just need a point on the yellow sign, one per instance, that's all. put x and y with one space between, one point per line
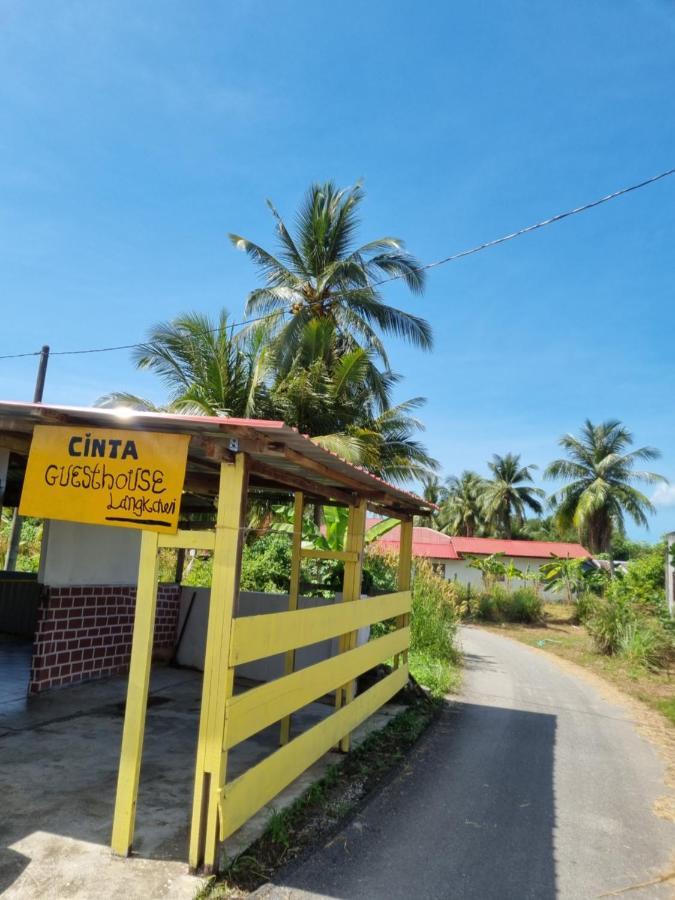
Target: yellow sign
105 476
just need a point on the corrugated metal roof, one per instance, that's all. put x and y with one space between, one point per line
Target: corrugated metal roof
280 455
432 544
537 549
426 542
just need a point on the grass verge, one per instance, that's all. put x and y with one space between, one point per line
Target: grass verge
558 634
322 810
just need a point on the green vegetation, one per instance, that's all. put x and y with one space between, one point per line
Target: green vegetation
509 492
436 606
625 615
314 356
28 559
630 617
591 508
498 604
601 472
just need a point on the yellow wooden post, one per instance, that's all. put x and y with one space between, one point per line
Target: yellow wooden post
137 696
404 576
351 591
218 674
293 595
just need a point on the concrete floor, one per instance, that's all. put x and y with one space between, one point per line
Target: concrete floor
15 658
59 754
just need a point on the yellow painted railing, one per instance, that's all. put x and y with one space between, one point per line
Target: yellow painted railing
251 791
256 637
219 807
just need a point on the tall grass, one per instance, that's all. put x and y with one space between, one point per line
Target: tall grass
620 627
436 606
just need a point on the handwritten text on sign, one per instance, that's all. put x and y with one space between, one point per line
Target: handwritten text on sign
105 476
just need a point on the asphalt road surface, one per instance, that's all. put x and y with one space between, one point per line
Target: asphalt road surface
531 785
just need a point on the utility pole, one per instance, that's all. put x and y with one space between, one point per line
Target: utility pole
15 527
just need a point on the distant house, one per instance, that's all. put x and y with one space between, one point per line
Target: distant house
450 556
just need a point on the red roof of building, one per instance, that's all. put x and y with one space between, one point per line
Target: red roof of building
432 544
426 542
539 549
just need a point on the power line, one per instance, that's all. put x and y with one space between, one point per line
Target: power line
432 265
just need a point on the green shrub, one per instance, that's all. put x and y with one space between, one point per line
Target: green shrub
524 606
500 605
608 621
266 564
433 626
585 605
645 642
380 571
643 584
433 622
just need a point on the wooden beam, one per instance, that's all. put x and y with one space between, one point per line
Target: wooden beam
293 597
137 696
390 513
404 578
326 472
351 592
17 443
279 476
341 555
218 678
213 449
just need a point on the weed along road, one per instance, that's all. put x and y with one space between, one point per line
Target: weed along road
530 785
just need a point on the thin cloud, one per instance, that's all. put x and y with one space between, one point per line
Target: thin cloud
664 495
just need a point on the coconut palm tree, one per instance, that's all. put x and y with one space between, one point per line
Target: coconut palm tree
461 511
320 274
335 394
390 448
601 474
435 492
206 369
509 493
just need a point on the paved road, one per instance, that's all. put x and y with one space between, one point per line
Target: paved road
532 786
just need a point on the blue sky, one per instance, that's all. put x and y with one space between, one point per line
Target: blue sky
135 136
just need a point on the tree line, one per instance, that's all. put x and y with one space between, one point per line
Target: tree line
313 354
599 468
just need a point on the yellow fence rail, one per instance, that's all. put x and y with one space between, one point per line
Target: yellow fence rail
254 637
264 705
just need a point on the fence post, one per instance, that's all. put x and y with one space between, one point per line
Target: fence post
137 696
351 592
218 674
404 577
293 596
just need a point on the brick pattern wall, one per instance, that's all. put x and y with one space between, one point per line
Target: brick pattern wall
85 632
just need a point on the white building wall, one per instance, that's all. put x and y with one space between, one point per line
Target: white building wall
459 570
76 554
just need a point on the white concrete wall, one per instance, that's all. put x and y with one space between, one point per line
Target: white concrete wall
193 643
459 570
76 554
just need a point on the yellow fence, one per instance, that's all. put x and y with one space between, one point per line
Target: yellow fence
220 807
255 637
